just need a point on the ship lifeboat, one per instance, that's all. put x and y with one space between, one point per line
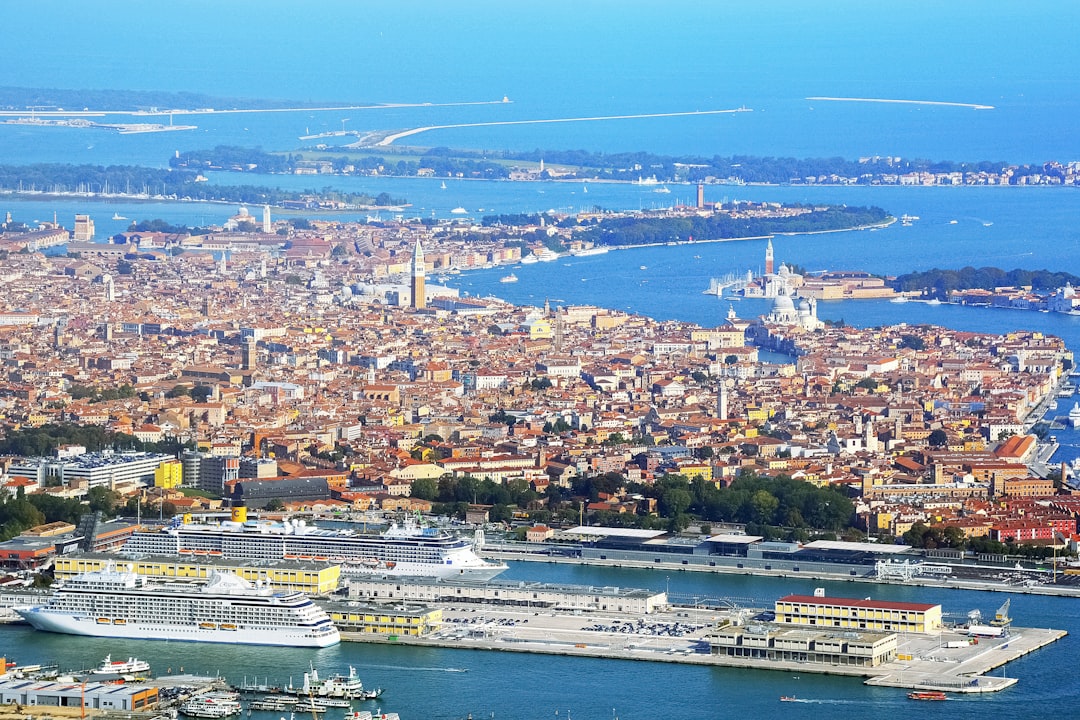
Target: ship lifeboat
207 626
104 621
119 621
227 626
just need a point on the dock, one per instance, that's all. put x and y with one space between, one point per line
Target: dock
948 661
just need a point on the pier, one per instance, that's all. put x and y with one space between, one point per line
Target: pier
947 661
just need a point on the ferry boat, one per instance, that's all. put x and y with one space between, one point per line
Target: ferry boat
182 611
346 687
927 695
459 211
366 715
118 669
409 549
320 705
589 251
511 278
547 255
210 706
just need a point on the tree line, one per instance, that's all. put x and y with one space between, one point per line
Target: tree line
179 183
939 283
649 230
43 441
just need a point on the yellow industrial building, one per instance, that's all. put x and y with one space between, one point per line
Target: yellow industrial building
308 578
388 620
875 615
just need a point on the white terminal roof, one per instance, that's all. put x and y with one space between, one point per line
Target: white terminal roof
879 548
735 539
615 532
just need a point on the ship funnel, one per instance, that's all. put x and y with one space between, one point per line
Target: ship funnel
239 514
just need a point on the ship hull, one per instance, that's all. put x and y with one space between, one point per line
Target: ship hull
90 627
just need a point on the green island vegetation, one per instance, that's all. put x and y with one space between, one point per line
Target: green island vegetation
939 283
658 230
58 178
21 98
255 160
407 161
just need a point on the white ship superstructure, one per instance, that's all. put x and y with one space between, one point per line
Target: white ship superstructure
408 549
120 604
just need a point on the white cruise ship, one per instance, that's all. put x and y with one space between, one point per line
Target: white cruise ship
409 549
120 604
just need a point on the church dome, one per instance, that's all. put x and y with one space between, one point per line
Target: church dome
783 305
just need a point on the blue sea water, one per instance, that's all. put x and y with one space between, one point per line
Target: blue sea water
587 58
445 684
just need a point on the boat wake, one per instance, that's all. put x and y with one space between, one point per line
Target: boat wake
419 669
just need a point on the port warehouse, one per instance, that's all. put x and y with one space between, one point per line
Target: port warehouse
91 695
508 593
778 644
310 578
402 619
858 614
748 552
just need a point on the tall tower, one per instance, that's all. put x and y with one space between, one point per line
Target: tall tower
419 294
700 196
248 354
110 289
769 259
84 228
267 227
722 401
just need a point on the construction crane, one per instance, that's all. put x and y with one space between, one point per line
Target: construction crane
1001 617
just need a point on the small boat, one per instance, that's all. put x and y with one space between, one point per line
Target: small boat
442 186
459 211
511 278
118 216
788 698
927 695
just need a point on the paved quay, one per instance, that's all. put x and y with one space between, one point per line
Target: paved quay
681 635
986 583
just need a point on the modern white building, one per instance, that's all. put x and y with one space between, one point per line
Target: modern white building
90 470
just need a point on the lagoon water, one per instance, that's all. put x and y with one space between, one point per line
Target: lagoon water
445 684
574 58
